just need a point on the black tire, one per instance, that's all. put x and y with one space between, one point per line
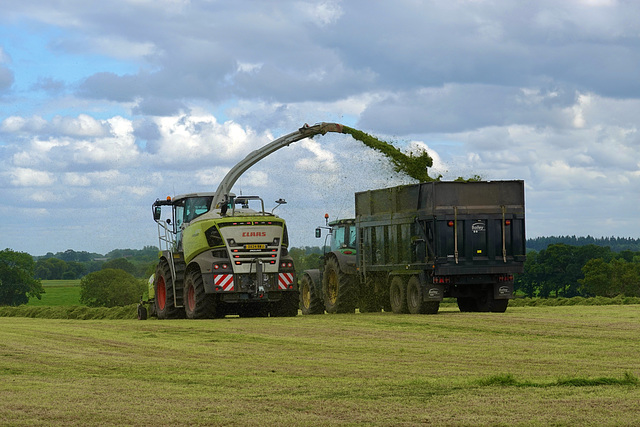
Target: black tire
163 289
398 295
338 289
467 304
310 301
142 312
487 303
415 299
197 304
287 306
415 303
431 307
500 305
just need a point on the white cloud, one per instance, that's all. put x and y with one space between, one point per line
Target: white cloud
24 177
81 126
322 160
321 13
166 98
76 180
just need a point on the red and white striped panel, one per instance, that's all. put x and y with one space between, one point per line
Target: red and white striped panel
225 281
284 280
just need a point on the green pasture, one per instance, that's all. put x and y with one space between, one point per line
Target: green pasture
58 293
568 365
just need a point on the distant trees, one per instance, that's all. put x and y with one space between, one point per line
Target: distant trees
54 268
306 258
17 281
120 264
69 265
616 277
616 244
563 270
110 288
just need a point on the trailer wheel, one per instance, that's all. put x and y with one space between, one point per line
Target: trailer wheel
163 288
415 299
500 305
467 304
338 289
398 295
310 301
197 304
486 302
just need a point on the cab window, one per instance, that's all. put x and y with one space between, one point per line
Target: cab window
343 236
195 206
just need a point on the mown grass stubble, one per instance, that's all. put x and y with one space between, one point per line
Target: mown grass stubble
450 369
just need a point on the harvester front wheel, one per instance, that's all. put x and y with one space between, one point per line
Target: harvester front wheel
398 295
310 301
163 289
338 289
197 304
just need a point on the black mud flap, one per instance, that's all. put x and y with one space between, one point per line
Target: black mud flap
503 290
433 293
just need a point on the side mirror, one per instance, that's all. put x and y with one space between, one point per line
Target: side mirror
157 211
318 233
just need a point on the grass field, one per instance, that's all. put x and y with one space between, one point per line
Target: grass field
58 293
572 365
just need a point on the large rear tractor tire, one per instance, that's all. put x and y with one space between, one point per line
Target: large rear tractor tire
310 301
338 289
398 295
163 289
197 304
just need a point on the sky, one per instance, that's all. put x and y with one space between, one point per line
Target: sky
107 106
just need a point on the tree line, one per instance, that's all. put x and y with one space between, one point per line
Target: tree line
70 265
563 270
558 270
616 244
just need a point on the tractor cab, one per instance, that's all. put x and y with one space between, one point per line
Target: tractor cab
343 235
